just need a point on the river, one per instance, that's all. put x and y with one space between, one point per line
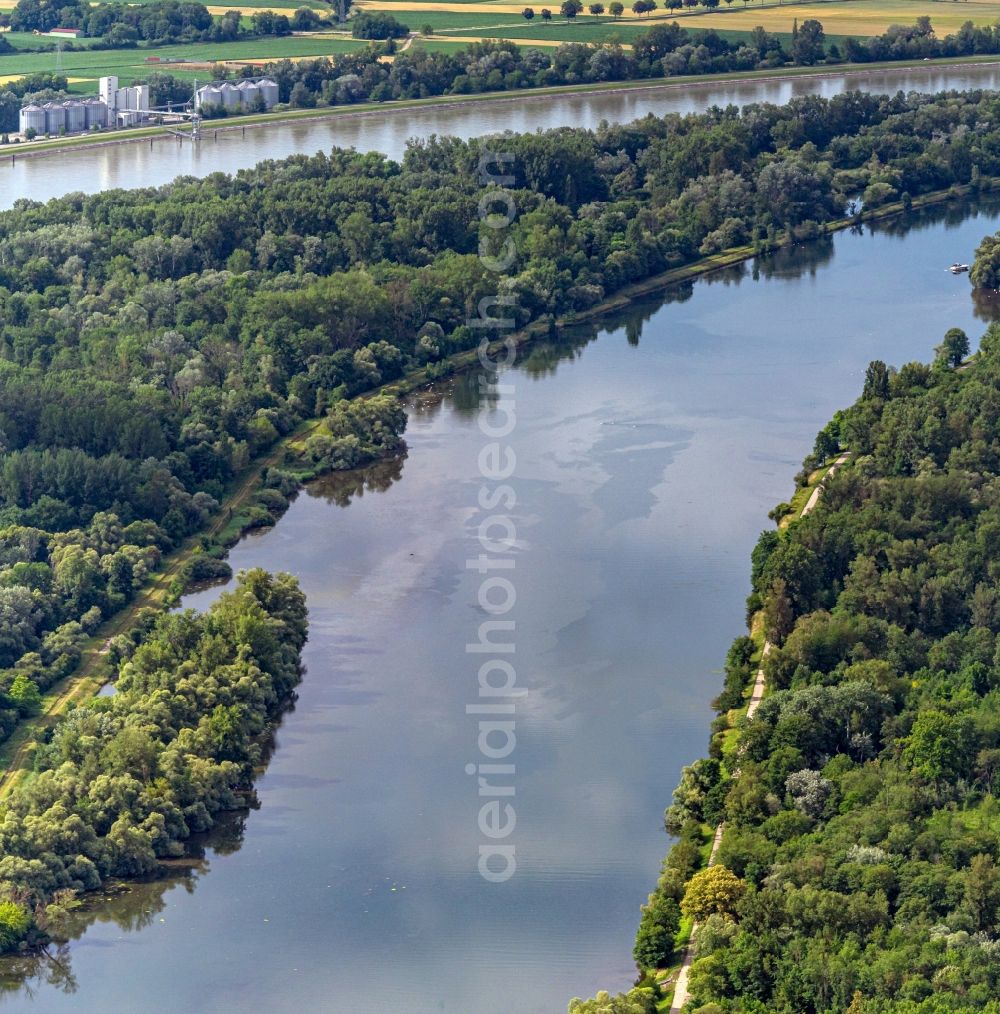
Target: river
154 163
649 450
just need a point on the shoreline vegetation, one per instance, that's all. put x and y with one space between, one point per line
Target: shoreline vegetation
838 847
126 781
166 353
807 497
59 146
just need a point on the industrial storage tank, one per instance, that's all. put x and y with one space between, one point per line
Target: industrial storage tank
269 92
32 118
209 96
76 116
55 117
249 94
230 95
97 113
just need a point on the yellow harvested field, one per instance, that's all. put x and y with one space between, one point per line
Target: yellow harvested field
854 17
17 77
437 6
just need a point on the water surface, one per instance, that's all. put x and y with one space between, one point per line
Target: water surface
649 451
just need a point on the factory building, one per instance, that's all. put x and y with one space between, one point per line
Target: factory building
113 106
122 100
242 97
129 107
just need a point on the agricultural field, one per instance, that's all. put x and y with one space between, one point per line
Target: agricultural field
84 67
839 17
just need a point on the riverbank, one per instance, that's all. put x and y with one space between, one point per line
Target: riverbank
11 154
807 497
162 591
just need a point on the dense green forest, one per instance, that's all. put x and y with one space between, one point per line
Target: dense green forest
859 868
125 780
155 342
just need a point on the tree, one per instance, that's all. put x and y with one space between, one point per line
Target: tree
570 8
546 14
939 746
377 25
809 791
25 694
807 42
654 941
15 921
954 349
982 892
20 616
876 381
596 9
528 13
636 1001
985 273
716 889
616 9
779 616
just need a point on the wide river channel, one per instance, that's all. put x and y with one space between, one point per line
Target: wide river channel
145 163
649 449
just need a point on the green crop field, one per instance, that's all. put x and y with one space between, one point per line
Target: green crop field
130 64
448 24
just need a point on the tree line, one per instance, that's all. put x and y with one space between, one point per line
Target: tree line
665 50
158 23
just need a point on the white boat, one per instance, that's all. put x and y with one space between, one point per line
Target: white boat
957 269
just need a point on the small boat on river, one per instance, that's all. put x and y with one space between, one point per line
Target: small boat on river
957 269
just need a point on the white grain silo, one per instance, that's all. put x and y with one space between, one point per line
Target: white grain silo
55 117
76 116
230 95
269 92
208 96
32 118
97 113
249 94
